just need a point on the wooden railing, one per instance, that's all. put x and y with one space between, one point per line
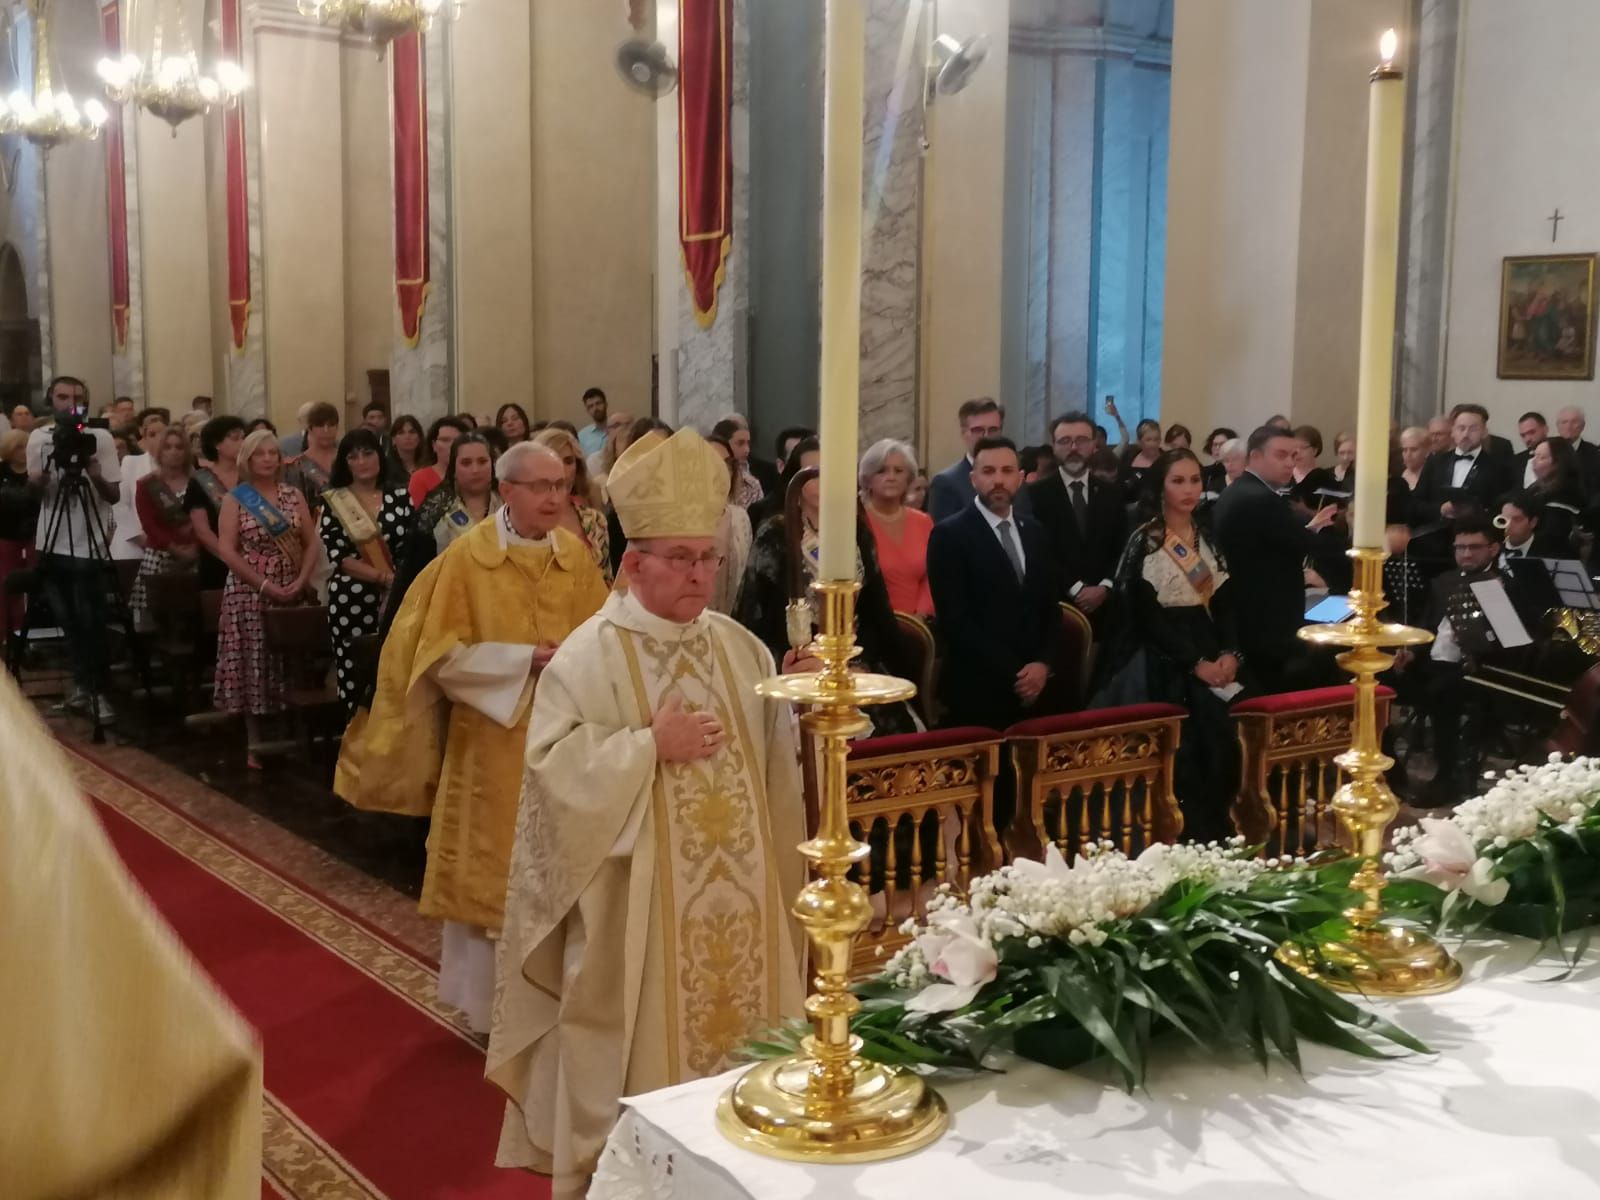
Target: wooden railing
1100 775
1289 742
924 803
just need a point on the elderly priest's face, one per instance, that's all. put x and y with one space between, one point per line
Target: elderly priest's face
672 577
535 493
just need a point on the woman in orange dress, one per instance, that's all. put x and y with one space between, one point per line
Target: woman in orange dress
899 531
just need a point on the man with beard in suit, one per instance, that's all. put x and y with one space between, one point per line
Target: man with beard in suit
1471 478
1085 518
994 588
1265 546
1532 429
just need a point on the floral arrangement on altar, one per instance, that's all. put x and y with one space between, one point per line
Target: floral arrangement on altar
1522 858
1066 963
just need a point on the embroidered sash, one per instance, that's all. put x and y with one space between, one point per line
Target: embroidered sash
270 518
169 505
316 479
211 486
360 528
1192 564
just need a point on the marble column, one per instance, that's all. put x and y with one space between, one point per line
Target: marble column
1426 230
421 376
712 368
127 359
892 228
25 183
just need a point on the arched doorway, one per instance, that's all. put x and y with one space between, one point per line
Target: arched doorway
20 354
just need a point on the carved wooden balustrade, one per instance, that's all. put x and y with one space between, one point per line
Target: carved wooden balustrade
1289 742
924 803
1088 776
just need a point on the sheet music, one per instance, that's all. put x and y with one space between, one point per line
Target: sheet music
1508 627
1572 582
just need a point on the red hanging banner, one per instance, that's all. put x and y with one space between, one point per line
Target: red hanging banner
238 194
410 182
116 189
705 154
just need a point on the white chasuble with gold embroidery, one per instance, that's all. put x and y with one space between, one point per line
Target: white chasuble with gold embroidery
647 931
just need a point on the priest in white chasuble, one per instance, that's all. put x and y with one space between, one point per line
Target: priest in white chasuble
445 733
647 931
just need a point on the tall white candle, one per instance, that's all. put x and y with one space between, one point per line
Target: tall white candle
844 59
1386 119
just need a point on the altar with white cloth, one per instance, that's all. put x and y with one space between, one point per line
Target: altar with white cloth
1508 1106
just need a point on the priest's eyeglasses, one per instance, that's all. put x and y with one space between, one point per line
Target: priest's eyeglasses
541 487
683 562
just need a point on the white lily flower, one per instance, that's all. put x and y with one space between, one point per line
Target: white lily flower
956 952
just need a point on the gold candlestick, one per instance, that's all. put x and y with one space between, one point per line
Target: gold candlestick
827 1103
1372 958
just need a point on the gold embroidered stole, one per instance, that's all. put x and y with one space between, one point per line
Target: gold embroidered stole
360 527
716 879
1191 565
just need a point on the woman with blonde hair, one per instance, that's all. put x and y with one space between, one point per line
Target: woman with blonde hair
167 533
899 531
266 537
581 518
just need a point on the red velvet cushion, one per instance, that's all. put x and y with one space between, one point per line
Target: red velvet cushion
1295 701
1094 718
910 743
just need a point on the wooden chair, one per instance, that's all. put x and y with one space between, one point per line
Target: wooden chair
1289 742
923 802
173 599
300 635
918 648
1076 662
1087 776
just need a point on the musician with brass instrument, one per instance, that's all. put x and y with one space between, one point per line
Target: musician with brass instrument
1464 642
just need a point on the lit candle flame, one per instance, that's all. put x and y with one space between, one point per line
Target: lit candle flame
1388 44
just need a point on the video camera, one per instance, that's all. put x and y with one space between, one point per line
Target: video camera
72 445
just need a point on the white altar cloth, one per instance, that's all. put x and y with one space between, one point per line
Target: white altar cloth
1507 1108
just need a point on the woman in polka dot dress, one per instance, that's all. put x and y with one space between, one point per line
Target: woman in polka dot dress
366 515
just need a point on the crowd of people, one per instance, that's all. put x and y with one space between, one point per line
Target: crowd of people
1152 542
638 581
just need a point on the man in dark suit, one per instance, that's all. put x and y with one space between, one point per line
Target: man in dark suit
1265 546
1532 429
1469 478
1570 424
1085 517
1519 519
995 592
951 490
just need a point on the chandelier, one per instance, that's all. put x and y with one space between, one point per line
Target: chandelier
48 117
380 21
171 86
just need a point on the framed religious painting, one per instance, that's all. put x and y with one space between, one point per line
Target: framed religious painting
1547 317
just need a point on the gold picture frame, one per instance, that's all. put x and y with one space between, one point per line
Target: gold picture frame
1547 316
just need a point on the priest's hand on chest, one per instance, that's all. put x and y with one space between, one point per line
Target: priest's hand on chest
685 736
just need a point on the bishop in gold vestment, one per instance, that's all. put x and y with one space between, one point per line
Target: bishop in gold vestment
445 733
122 1072
647 931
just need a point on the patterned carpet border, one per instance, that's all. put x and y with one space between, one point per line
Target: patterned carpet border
300 1165
370 952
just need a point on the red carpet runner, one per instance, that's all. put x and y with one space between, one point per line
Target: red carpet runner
372 1091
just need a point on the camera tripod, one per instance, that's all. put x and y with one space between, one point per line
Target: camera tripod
74 498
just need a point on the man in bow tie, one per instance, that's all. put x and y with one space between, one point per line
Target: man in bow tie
1471 477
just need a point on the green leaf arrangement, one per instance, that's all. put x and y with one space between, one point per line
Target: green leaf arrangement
1182 947
1522 858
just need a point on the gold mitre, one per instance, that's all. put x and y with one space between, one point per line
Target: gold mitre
669 487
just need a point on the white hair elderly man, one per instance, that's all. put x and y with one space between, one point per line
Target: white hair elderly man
1570 424
647 933
445 731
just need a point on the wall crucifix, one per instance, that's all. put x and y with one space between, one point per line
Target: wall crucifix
1555 219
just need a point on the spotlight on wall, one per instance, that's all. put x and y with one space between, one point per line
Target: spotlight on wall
952 63
646 67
